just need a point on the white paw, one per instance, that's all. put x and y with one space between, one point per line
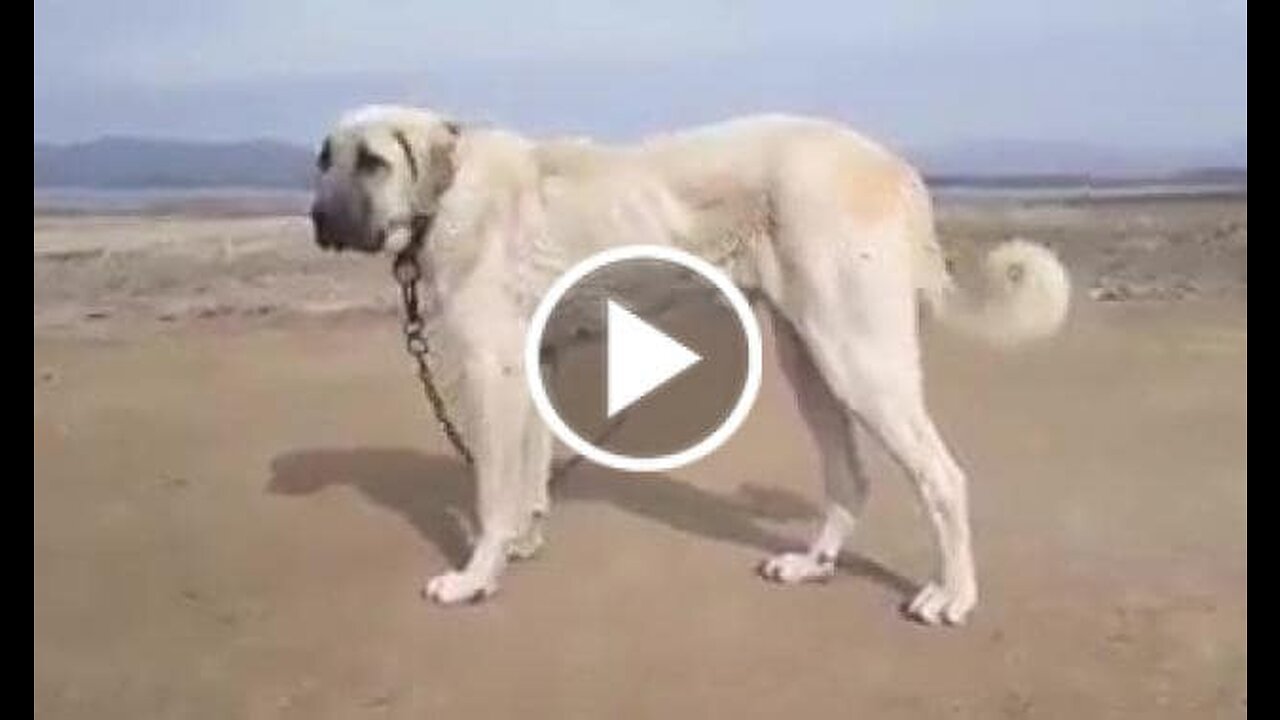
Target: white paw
935 604
455 587
792 568
526 545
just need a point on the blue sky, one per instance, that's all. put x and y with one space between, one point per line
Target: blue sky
1153 73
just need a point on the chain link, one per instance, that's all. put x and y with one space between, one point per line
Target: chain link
408 273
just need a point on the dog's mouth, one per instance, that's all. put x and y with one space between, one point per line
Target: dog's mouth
393 237
370 243
336 245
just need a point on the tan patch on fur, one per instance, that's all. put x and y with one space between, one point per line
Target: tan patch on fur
874 187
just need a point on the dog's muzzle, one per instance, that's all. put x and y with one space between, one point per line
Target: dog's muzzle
322 226
339 231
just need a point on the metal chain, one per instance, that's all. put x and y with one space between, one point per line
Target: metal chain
408 273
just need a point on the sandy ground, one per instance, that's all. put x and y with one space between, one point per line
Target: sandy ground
235 507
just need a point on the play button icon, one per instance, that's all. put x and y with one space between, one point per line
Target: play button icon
643 358
640 357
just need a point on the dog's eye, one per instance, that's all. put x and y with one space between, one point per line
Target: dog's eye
368 161
325 158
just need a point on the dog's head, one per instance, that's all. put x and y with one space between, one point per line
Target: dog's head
380 175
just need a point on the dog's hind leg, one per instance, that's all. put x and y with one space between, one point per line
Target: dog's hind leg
865 346
843 476
846 277
893 409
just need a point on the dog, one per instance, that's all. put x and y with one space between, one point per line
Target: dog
829 230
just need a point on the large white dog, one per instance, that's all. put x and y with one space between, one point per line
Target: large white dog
832 233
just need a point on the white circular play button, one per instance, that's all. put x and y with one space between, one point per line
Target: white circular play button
643 358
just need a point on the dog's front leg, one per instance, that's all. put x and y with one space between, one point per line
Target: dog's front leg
498 404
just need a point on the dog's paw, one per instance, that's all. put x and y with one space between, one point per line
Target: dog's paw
526 545
793 568
936 604
454 587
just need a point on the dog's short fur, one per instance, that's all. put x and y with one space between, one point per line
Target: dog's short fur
832 232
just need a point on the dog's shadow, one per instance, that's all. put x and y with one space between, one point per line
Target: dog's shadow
436 495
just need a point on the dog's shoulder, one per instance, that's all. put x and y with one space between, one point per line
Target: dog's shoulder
496 158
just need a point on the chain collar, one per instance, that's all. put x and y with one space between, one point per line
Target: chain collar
408 273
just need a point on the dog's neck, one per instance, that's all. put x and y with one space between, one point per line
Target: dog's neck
443 166
442 161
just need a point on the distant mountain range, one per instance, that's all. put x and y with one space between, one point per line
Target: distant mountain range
126 162
1030 157
131 162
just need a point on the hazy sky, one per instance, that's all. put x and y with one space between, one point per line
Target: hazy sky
920 72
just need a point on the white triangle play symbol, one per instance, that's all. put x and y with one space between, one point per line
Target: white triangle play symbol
640 358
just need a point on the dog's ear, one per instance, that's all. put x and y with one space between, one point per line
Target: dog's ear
410 153
442 159
429 156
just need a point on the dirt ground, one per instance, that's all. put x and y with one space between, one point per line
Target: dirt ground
235 507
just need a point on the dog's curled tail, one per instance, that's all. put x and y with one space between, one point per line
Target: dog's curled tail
1025 295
